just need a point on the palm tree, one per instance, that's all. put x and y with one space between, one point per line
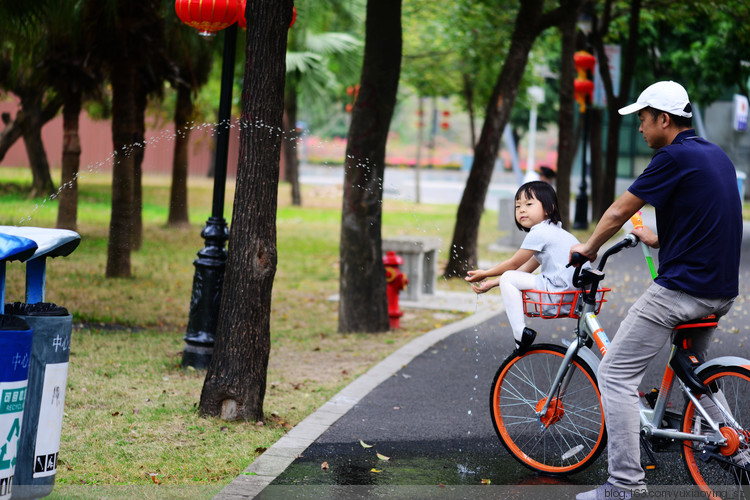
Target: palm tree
22 48
127 38
71 73
192 58
318 63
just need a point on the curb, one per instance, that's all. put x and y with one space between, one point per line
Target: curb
281 454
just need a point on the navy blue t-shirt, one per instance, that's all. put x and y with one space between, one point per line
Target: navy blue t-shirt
692 184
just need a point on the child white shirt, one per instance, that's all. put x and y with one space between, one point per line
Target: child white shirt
551 246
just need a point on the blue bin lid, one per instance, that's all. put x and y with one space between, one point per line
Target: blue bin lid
16 248
50 242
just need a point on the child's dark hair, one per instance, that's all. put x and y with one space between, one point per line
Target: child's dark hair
546 195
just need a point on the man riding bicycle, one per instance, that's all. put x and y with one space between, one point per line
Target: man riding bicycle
692 184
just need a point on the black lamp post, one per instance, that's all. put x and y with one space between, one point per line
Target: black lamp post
581 220
211 261
585 63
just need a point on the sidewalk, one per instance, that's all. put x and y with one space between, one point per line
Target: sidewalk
278 457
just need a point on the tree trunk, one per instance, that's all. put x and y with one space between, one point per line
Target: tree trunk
468 91
67 210
363 305
124 129
31 129
178 194
614 102
12 131
463 254
566 138
10 134
139 150
599 178
236 379
291 160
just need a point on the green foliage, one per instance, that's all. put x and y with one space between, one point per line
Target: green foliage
444 42
706 49
324 56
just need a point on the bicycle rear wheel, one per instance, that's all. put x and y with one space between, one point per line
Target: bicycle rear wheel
715 470
570 435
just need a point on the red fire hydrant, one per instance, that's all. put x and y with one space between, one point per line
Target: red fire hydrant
396 281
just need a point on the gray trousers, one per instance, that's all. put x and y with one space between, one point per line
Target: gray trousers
646 328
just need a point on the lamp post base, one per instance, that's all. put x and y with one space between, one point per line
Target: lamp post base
206 296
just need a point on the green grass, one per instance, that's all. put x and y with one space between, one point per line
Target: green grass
131 412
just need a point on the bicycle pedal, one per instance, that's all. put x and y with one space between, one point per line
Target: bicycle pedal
651 397
652 464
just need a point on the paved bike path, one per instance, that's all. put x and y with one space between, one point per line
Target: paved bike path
426 409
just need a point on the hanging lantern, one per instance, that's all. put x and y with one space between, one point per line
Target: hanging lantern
241 20
208 16
583 87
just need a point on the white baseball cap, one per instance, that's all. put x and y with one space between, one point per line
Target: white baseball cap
665 96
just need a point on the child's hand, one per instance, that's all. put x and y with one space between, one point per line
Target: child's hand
474 276
482 287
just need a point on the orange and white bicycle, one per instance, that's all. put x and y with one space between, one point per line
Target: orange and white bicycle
546 407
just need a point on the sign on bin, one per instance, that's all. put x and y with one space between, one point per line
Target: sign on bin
48 374
15 354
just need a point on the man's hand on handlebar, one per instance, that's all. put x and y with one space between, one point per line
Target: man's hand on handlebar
647 236
583 251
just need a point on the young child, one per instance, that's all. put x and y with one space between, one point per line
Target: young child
547 244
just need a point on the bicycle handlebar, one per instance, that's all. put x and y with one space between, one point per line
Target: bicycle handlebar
595 276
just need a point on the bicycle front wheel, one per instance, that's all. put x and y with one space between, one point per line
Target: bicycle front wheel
570 435
721 472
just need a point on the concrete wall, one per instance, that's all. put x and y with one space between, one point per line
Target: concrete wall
96 146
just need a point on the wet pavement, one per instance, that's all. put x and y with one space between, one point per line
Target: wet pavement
424 431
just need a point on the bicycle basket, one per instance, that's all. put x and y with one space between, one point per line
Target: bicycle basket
548 305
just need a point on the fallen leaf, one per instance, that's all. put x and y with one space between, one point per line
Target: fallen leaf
324 466
377 471
486 481
383 457
153 478
365 445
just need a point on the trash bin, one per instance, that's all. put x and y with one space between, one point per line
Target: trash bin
39 443
15 353
41 427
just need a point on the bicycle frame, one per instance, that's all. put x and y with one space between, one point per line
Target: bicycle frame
590 331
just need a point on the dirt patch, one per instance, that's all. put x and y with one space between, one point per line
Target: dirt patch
339 357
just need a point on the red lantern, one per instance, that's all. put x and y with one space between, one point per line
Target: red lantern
241 21
208 16
584 61
583 86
